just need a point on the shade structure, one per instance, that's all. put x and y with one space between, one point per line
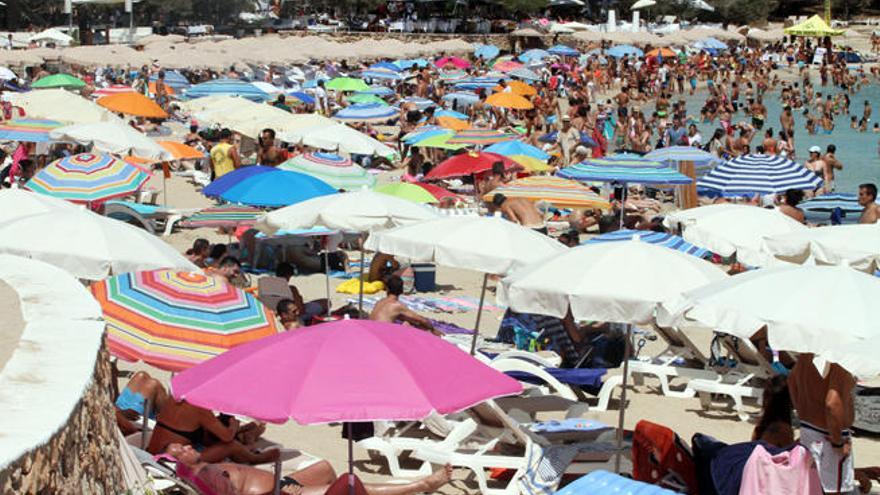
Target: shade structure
563 51
660 52
476 83
111 137
58 81
450 113
453 123
813 27
853 245
276 189
385 66
516 147
599 170
364 98
525 74
659 238
486 52
437 191
180 151
636 277
88 178
726 229
423 132
132 103
375 370
673 155
28 130
340 138
223 216
621 51
827 203
838 325
518 87
509 100
452 61
451 76
469 163
347 84
419 102
407 191
359 211
749 175
379 74
227 87
87 245
559 192
151 88
339 172
480 137
113 89
222 184
461 98
533 55
531 165
173 79
367 112
173 320
17 203
710 44
439 141
61 105
506 65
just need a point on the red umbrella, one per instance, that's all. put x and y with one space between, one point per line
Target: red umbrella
470 163
437 191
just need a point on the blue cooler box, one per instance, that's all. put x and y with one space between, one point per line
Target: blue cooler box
425 275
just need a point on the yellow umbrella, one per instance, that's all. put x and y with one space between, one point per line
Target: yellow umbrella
509 100
519 88
562 193
814 26
453 123
531 164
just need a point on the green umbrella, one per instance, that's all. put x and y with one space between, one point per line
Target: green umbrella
347 84
58 81
410 192
366 98
439 141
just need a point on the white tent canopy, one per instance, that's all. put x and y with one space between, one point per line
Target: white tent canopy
51 35
854 245
110 137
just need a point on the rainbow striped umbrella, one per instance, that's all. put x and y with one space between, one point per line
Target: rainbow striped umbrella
339 172
88 178
561 193
223 216
113 89
175 320
480 137
30 130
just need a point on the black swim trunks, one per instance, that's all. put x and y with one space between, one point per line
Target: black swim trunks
288 481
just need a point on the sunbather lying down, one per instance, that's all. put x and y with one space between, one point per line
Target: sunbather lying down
229 478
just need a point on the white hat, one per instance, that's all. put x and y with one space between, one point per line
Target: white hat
815 149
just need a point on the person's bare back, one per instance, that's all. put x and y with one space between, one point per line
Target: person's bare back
523 212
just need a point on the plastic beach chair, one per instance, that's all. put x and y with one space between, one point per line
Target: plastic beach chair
151 218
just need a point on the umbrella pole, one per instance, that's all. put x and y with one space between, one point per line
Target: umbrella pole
361 288
327 277
622 411
350 460
622 206
276 490
479 314
147 409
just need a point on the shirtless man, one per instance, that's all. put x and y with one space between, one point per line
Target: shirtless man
833 164
786 120
229 478
391 310
268 154
519 210
817 165
496 178
793 197
868 200
769 143
825 407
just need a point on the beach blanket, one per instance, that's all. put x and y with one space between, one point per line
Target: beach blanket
435 304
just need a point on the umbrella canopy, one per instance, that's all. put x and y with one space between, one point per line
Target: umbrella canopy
453 124
381 75
173 79
113 89
854 245
222 184
88 178
518 87
838 326
132 103
523 73
563 51
360 211
531 164
461 97
407 191
58 81
749 175
660 52
602 170
347 84
507 66
111 137
450 76
480 137
339 172
486 52
174 320
642 4
813 27
453 61
726 229
559 192
367 112
87 245
437 191
62 105
659 238
672 156
621 51
710 44
827 203
440 141
509 100
483 244
376 371
276 189
636 277
223 216
533 55
516 147
180 151
29 130
227 87
16 203
469 163
365 98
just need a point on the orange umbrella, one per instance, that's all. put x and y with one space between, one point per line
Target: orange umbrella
453 123
181 151
168 89
519 88
145 164
509 100
133 104
663 52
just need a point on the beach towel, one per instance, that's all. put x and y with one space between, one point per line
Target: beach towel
661 458
353 287
604 482
727 467
436 304
544 468
785 473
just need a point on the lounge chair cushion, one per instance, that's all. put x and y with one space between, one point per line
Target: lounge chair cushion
605 482
582 377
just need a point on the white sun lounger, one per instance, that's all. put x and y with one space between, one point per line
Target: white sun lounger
152 218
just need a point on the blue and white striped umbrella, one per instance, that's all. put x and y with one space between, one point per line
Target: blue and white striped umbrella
450 113
826 203
377 90
410 63
477 83
623 171
385 66
711 44
173 79
621 51
673 155
563 51
486 52
381 74
533 55
659 238
420 103
524 74
367 112
228 87
749 175
462 97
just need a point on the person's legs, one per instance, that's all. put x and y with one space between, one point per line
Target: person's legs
318 474
150 388
238 453
427 484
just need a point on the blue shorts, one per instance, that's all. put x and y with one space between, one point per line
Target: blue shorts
132 401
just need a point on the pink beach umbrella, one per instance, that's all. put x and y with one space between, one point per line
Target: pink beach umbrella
456 61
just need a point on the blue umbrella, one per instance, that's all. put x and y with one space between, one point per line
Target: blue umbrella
659 238
671 156
450 113
710 44
623 171
222 184
749 175
462 97
410 63
367 112
827 203
276 189
420 103
563 51
585 138
228 87
525 74
535 54
386 75
377 90
425 132
385 66
313 83
175 80
486 52
514 147
477 83
303 97
621 51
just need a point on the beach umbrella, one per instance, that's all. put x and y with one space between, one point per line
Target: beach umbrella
621 51
480 137
641 4
339 172
585 138
563 51
855 245
227 87
439 141
222 216
180 151
454 61
385 75
750 175
338 137
367 112
151 88
476 83
88 178
425 131
302 97
173 79
659 238
470 163
346 84
827 203
132 103
28 130
437 191
660 52
453 123
420 103
64 81
710 44
173 320
223 183
61 105
113 89
516 147
530 164
461 97
838 326
726 229
673 156
17 203
517 87
624 172
533 55
450 113
366 98
452 76
407 191
276 189
87 245
6 74
523 73
407 64
507 65
561 193
111 137
486 52
385 66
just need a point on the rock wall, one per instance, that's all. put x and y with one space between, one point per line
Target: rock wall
81 458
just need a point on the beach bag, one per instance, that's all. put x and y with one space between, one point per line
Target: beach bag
660 457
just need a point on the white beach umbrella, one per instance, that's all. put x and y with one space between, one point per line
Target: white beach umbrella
110 137
337 137
641 4
854 245
829 311
62 105
726 229
17 203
